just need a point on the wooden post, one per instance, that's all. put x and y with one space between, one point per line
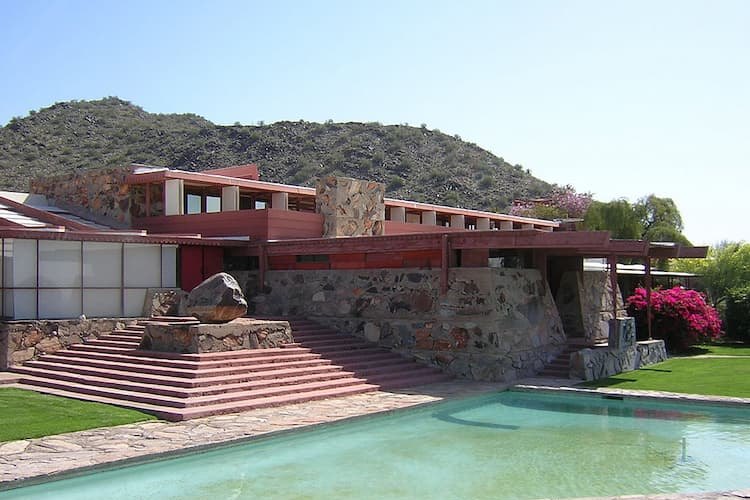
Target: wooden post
647 269
148 199
444 262
612 259
262 265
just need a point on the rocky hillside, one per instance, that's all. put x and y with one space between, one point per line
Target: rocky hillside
415 163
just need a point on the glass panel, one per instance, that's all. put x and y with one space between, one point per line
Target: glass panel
134 300
22 304
169 266
193 204
102 263
213 204
60 303
22 255
102 303
59 263
142 265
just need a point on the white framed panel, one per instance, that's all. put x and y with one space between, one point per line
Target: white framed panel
102 264
22 254
169 266
59 263
22 304
142 265
60 303
102 303
135 298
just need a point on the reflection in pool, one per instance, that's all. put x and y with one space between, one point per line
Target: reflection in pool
507 445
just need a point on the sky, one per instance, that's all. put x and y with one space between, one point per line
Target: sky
618 98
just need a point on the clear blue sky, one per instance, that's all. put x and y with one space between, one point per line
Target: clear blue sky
620 98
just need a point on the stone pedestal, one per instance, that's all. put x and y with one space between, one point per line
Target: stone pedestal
350 207
621 333
188 336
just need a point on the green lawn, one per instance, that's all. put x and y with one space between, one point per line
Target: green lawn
710 376
725 349
28 414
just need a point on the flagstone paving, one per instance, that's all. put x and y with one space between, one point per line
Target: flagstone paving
31 460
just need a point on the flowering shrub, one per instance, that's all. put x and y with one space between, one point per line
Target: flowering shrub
679 316
562 203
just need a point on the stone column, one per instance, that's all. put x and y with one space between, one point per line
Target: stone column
483 224
506 225
350 207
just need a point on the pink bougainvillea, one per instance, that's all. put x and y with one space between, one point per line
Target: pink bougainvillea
680 316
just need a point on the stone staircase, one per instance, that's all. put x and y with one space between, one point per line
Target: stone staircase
320 364
560 366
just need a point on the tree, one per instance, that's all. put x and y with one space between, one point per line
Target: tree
726 267
616 216
650 218
660 218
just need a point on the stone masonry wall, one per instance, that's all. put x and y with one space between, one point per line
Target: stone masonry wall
350 207
100 194
584 300
597 304
21 341
493 324
593 364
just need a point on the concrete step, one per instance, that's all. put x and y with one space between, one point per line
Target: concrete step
320 363
84 388
154 387
139 377
186 373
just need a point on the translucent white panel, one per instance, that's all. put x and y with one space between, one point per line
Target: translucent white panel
142 265
23 304
7 309
59 263
169 266
22 254
102 264
134 300
102 303
60 303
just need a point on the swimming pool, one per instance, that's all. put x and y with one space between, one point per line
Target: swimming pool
506 445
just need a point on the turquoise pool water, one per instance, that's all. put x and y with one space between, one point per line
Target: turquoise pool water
507 445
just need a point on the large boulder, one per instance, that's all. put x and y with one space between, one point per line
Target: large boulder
218 299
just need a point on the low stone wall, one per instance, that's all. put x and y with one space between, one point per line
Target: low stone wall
493 324
21 341
593 364
193 337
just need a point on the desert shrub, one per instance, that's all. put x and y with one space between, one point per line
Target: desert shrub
680 316
738 313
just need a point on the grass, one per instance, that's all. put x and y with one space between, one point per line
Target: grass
708 376
724 349
27 414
